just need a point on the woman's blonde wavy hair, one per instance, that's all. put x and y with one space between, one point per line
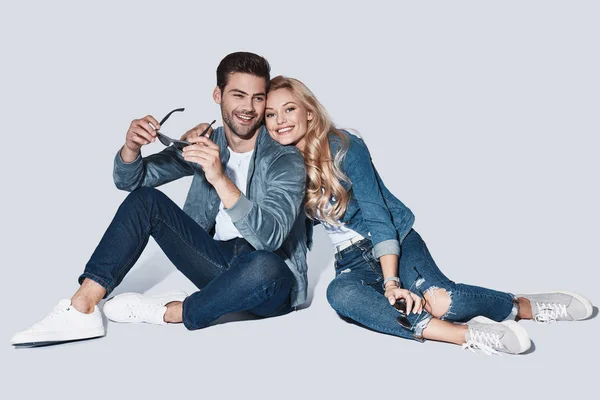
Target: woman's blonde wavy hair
324 173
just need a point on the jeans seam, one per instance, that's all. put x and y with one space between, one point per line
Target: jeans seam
193 248
179 236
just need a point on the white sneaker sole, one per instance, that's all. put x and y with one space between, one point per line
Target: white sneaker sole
589 308
518 330
33 339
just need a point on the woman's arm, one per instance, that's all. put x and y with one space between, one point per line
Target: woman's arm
389 267
358 167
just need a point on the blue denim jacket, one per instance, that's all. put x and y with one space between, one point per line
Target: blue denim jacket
271 214
373 211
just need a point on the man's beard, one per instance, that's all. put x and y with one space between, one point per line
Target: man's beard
240 131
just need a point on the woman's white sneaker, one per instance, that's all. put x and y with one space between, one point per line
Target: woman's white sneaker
136 307
63 324
493 337
558 306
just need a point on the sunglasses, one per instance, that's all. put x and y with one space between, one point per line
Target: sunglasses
400 306
178 144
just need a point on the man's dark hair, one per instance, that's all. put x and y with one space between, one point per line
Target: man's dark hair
247 63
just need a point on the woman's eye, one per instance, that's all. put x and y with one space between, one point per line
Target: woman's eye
290 109
270 115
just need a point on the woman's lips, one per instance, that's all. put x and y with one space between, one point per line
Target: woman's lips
283 131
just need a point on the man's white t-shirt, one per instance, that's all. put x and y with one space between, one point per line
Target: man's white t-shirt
237 170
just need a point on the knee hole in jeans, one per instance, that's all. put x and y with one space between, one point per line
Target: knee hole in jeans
437 301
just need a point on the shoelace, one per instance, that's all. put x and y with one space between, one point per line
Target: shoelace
484 341
549 312
53 314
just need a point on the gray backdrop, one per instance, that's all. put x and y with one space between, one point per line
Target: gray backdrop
481 116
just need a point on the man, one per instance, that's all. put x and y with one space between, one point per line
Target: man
246 189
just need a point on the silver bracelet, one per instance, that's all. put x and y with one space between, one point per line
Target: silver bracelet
391 278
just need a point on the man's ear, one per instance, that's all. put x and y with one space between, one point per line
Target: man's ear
217 95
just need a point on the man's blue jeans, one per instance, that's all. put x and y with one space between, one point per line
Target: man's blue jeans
357 291
232 275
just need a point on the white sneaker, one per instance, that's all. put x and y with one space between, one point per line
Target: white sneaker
493 337
558 306
137 307
63 324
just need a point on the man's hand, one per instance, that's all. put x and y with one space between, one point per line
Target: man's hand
196 131
205 153
413 301
141 132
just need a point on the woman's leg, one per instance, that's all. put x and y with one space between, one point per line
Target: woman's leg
357 293
444 298
354 295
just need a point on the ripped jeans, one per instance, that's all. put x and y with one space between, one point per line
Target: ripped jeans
357 292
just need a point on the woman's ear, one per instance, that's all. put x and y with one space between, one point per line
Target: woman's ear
309 115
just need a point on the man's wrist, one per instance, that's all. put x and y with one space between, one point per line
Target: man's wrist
227 191
220 180
128 156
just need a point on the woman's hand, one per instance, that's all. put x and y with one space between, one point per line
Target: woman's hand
413 301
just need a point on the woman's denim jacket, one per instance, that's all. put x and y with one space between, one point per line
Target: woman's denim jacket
372 211
271 214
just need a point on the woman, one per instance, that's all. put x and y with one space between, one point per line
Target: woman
380 260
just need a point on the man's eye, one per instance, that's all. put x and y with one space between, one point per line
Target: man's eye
259 99
239 96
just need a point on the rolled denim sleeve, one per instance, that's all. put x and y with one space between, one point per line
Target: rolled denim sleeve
265 224
359 168
151 171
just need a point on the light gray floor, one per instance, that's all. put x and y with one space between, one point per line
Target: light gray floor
482 117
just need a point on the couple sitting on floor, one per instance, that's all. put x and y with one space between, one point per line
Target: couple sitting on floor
277 167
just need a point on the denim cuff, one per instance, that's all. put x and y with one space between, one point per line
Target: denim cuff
391 246
420 327
98 280
240 209
186 322
515 309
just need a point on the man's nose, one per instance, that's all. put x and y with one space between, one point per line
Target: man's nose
248 105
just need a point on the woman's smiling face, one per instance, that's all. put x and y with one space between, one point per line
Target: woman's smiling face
286 118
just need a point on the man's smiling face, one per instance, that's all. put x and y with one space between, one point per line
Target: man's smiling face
242 103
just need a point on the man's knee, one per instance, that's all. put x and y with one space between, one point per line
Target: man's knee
143 199
143 194
265 266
